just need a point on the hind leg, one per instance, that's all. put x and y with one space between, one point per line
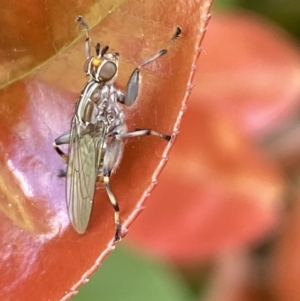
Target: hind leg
111 159
115 205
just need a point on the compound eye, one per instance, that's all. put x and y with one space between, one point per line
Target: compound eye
86 65
108 71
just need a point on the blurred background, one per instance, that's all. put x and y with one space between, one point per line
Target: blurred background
224 221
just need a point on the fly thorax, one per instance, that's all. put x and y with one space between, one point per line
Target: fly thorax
109 111
87 108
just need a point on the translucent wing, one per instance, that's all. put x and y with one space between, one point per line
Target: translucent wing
84 160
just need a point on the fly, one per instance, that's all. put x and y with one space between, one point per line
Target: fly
97 132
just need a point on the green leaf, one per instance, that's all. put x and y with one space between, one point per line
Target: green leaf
130 276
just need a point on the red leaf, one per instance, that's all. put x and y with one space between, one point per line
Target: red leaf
42 258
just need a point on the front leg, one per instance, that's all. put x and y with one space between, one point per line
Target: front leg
133 84
88 39
132 89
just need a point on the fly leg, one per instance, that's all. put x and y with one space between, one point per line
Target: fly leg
115 204
62 139
133 84
143 132
111 159
88 38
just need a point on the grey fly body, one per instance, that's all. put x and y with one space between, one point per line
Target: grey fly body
97 132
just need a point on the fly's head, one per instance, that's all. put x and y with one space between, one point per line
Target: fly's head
102 68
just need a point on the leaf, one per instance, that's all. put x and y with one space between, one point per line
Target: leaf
42 258
129 276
